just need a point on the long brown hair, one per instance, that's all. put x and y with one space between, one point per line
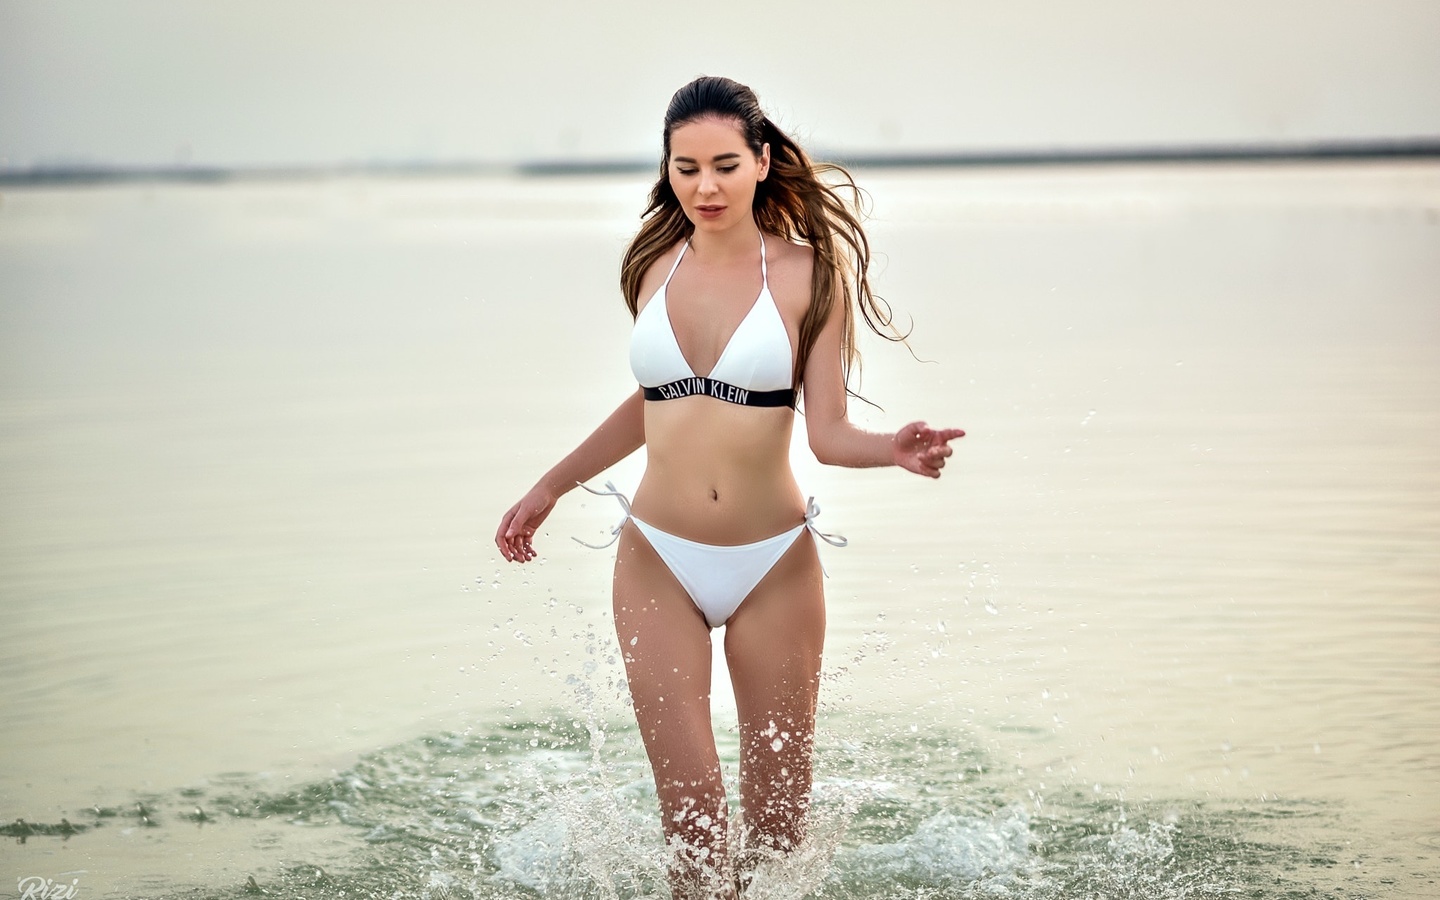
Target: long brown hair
795 201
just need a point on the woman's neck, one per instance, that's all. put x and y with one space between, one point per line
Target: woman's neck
734 242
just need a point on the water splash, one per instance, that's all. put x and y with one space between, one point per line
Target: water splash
949 850
566 810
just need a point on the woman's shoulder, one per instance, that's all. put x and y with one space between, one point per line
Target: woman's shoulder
789 266
779 251
654 274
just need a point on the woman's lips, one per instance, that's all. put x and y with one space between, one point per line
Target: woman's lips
709 212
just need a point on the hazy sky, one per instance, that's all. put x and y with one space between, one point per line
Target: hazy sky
266 82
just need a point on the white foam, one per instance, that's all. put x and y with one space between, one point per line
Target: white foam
948 848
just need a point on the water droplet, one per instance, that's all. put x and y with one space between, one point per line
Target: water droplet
777 745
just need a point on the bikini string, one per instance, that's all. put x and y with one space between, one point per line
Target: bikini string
812 512
610 491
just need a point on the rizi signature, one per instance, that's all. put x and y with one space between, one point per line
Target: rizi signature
34 887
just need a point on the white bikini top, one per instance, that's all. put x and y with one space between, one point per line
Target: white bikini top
754 369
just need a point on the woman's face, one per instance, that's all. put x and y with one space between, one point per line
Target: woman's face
714 173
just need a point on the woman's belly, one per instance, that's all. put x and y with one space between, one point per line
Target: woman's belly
717 472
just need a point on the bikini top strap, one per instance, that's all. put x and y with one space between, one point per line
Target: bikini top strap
764 272
677 264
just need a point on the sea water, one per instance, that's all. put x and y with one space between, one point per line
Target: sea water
1169 626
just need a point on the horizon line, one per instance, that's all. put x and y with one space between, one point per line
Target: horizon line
1426 147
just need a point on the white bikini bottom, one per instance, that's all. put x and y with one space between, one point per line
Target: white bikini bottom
718 577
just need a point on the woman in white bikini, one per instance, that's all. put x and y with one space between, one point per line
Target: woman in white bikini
751 269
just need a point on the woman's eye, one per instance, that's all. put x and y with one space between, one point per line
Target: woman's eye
728 168
686 171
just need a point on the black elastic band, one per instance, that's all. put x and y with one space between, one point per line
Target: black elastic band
709 387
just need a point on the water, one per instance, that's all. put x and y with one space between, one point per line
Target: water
539 808
1167 628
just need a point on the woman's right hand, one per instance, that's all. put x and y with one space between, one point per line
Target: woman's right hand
617 437
517 529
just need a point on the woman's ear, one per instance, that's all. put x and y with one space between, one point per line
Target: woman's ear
764 161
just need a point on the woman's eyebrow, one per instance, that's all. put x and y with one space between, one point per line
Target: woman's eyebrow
716 159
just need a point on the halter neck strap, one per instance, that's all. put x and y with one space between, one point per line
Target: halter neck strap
681 256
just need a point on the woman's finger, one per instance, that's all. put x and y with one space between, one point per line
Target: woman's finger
502 539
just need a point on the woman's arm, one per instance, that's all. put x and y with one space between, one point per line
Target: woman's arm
835 441
617 437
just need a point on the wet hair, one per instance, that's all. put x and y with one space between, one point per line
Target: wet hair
794 201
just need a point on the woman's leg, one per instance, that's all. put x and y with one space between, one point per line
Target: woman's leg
666 646
773 645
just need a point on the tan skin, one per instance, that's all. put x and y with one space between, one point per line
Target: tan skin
719 473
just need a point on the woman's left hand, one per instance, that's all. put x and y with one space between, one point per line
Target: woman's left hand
921 449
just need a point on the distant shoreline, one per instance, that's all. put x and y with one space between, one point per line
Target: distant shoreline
1400 148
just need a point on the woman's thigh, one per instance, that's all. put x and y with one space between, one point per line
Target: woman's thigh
773 645
666 647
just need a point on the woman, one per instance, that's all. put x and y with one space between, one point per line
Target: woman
750 269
